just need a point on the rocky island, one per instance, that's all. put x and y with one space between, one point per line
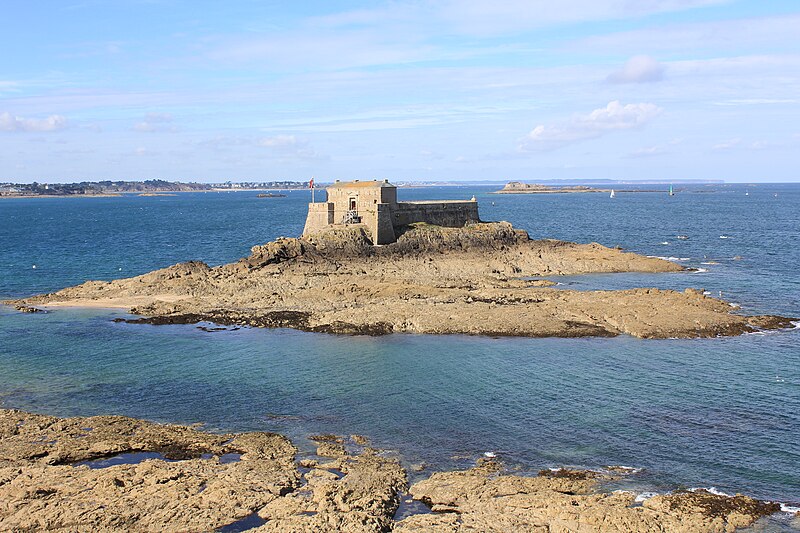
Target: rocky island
481 279
112 473
518 187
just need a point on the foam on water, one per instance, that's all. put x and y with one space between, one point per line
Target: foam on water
712 490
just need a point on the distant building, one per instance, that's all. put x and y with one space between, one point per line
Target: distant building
374 206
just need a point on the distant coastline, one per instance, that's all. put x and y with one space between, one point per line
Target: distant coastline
105 189
98 195
518 187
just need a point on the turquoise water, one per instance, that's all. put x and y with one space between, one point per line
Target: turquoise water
713 412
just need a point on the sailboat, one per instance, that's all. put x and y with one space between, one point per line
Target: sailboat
671 192
612 194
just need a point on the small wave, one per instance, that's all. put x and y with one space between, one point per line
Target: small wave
625 469
669 258
709 263
712 490
795 325
665 243
642 496
701 270
786 508
724 237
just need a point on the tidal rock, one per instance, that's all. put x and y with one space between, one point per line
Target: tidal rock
567 500
474 280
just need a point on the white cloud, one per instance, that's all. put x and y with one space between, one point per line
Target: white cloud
8 86
282 147
638 69
430 155
323 49
289 147
408 31
613 117
492 17
9 122
648 151
153 122
728 37
281 142
226 141
740 144
757 101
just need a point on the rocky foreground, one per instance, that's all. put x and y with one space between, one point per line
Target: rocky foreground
59 475
484 279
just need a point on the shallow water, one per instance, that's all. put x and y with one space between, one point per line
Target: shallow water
712 412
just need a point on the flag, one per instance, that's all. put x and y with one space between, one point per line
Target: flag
311 184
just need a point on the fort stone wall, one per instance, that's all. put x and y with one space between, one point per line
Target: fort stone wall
452 214
374 206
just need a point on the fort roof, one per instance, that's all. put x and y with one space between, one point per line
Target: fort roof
360 184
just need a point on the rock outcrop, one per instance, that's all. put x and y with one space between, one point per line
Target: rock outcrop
179 479
113 473
483 279
481 500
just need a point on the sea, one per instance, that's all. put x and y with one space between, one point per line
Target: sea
721 413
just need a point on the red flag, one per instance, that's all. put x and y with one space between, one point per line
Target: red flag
311 184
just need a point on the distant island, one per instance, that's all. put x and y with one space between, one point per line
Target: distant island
518 187
148 187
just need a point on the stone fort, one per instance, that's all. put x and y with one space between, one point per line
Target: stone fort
373 205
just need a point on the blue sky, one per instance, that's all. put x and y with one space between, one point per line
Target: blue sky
406 90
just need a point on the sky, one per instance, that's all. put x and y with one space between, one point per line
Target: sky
417 90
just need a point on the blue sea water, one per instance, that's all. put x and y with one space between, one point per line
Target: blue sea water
712 412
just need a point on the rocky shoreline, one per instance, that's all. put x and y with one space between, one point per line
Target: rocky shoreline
106 473
483 279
